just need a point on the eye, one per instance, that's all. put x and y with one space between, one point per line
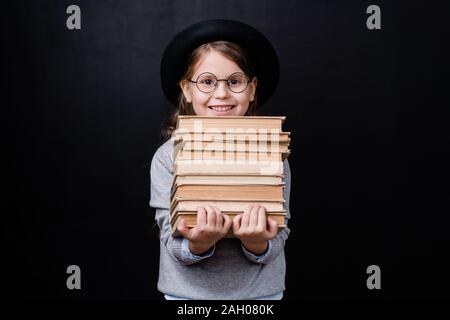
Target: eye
208 82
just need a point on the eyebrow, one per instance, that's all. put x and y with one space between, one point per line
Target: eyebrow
196 76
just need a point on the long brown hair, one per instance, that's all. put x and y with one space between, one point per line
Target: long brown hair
230 50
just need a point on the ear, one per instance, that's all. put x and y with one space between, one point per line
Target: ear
253 85
184 85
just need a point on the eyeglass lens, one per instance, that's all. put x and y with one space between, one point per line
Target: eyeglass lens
207 82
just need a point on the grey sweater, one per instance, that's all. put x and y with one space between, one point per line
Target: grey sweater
231 272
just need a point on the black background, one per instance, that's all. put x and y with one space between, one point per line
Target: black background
369 144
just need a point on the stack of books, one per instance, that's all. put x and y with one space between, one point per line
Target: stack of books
228 162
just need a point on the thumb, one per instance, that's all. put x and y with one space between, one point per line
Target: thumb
183 229
237 222
227 223
273 227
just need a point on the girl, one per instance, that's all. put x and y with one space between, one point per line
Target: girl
202 264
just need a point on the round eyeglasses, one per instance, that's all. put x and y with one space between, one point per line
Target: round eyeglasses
208 82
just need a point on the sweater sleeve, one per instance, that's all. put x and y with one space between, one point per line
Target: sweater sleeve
276 244
161 176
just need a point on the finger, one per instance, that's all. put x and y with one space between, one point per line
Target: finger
183 229
246 216
253 221
262 222
201 216
210 216
219 220
273 227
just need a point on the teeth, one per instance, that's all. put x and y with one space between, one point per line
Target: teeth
221 108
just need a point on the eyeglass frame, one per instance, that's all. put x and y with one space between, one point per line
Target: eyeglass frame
217 82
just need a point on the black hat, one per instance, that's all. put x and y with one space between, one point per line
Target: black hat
176 55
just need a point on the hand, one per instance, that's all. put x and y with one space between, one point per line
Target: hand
212 225
254 229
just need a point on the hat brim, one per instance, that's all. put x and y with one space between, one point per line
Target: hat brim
262 54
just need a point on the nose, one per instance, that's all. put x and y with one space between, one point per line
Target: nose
221 90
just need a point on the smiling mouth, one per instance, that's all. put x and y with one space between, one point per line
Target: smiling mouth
221 108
